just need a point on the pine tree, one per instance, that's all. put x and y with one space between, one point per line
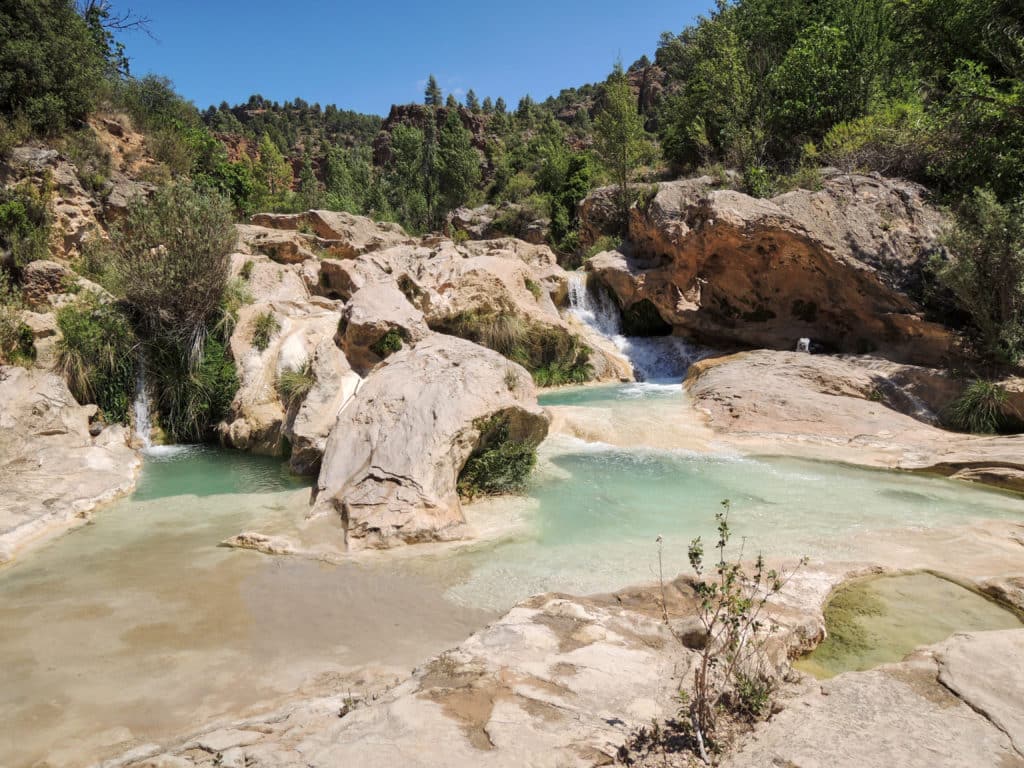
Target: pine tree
488 106
451 102
310 192
525 109
472 102
619 134
274 171
499 106
432 95
457 168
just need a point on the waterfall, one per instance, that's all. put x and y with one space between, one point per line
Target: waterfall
143 425
654 358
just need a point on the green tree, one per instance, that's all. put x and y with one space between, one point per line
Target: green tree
986 273
458 167
472 102
619 135
310 191
404 184
451 102
499 106
273 170
51 65
488 105
432 93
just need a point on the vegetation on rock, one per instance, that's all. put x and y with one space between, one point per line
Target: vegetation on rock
499 465
294 384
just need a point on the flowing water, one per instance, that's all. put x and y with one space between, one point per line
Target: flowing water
881 620
143 424
139 627
654 358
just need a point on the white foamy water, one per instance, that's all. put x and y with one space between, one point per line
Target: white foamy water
143 422
654 358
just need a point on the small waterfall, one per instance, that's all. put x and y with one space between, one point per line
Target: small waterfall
653 358
143 424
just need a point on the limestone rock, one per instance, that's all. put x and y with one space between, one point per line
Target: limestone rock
53 472
342 235
837 265
952 705
488 222
283 246
845 409
375 311
395 454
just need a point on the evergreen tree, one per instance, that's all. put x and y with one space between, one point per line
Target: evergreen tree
432 94
273 170
310 193
620 135
458 167
472 102
499 106
451 102
488 105
524 111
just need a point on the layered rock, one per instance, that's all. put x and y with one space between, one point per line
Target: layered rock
377 321
394 456
53 469
847 409
487 222
838 265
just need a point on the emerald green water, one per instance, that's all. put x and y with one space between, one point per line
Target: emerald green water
139 626
881 620
599 510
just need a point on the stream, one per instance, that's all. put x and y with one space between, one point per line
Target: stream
139 627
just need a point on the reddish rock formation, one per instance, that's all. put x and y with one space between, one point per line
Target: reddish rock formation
838 266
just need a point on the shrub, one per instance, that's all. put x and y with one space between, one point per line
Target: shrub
92 161
979 408
169 258
602 244
499 464
294 385
533 287
246 271
17 342
551 355
191 399
264 326
236 295
986 273
97 356
894 140
25 221
387 344
51 65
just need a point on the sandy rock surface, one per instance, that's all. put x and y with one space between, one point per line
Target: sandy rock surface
52 471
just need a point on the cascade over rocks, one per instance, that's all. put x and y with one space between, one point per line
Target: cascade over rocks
837 265
394 456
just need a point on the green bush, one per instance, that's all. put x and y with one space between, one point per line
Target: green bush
979 408
602 244
191 399
25 221
498 465
387 344
264 326
294 385
897 139
986 273
17 342
551 355
51 64
97 355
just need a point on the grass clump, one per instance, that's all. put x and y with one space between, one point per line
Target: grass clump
499 465
387 344
533 287
551 355
264 326
97 356
979 409
294 385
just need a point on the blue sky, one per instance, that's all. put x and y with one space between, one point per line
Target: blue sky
371 54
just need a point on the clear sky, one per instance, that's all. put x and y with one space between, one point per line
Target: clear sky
368 55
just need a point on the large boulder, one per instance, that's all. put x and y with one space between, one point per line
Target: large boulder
53 471
488 222
342 235
377 321
394 456
839 265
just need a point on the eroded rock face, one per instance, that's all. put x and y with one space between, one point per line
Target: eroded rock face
377 321
855 409
488 222
394 456
53 472
341 235
836 265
